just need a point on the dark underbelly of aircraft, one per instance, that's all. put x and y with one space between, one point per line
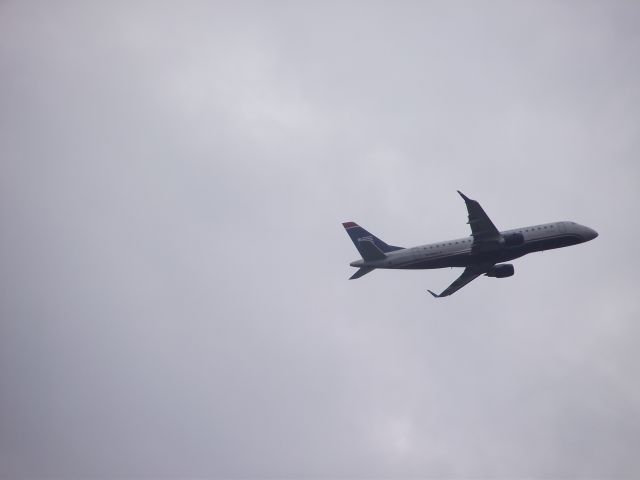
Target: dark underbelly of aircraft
559 241
502 255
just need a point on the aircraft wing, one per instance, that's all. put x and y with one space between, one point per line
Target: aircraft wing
469 274
482 228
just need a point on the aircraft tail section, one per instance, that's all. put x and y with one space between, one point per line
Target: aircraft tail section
370 247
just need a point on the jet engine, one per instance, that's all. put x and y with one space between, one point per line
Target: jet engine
501 271
512 239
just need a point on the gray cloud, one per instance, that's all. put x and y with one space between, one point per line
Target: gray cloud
173 297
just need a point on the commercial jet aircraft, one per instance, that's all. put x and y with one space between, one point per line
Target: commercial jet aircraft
479 254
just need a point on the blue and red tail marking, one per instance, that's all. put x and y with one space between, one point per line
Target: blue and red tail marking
370 247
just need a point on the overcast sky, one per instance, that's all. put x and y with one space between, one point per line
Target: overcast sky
174 299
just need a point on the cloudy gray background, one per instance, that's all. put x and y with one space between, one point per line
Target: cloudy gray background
174 298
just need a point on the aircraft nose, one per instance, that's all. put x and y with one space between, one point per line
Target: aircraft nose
590 233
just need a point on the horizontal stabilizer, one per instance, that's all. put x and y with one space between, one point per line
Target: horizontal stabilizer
361 272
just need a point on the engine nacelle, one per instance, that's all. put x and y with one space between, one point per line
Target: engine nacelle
501 271
513 239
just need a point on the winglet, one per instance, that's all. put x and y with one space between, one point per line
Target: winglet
434 295
464 197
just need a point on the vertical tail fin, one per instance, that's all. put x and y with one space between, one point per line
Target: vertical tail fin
369 246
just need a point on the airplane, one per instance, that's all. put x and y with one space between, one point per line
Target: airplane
480 254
